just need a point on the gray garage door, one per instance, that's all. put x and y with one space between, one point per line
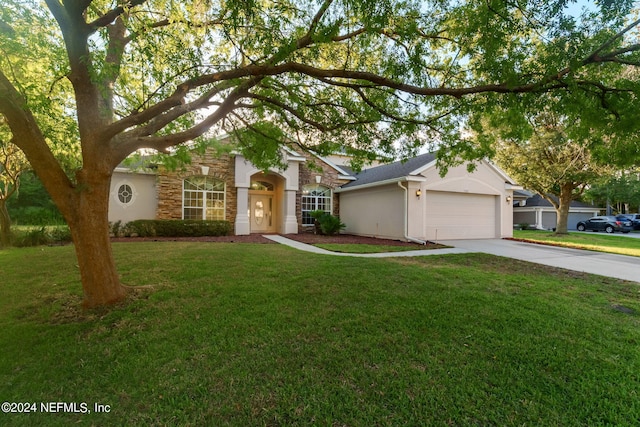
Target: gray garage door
460 216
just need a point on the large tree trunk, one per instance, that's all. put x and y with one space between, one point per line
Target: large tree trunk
84 204
90 233
562 211
5 224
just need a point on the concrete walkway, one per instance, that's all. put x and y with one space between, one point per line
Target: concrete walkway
603 264
316 250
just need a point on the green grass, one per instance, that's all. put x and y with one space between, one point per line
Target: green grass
600 242
243 335
367 249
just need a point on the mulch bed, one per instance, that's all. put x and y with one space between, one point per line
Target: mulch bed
308 238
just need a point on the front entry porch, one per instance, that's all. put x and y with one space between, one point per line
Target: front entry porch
267 204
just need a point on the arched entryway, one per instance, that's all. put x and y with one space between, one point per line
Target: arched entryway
264 203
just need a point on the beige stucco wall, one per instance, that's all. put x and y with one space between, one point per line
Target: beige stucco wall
144 201
379 210
376 211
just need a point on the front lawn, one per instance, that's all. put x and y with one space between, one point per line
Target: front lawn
601 242
247 334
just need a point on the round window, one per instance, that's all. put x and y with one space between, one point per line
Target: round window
125 194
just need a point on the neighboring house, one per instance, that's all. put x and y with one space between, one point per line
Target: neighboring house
534 210
402 200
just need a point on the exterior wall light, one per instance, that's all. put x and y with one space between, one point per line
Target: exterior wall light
508 199
418 193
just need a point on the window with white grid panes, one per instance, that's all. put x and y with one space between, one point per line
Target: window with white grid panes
314 198
203 198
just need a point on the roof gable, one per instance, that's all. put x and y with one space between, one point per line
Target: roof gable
391 171
415 166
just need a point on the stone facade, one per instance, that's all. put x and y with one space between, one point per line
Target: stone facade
329 177
170 184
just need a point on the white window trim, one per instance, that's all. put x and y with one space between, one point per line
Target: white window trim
204 199
315 186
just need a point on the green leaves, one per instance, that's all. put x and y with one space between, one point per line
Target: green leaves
543 153
261 144
364 76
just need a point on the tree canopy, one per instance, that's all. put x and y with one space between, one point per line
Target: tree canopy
621 189
365 76
547 162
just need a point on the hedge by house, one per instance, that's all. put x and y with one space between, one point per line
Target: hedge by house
175 228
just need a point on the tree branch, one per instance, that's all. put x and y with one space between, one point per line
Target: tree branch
605 45
160 121
112 15
281 105
157 111
165 23
29 138
307 39
163 142
396 118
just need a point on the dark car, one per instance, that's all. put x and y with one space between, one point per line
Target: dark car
605 223
635 219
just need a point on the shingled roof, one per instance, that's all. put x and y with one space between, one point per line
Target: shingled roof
391 171
538 201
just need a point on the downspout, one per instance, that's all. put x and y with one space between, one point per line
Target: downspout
406 216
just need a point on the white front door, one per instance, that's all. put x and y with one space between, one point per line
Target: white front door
261 213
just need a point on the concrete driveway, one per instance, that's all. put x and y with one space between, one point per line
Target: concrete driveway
618 266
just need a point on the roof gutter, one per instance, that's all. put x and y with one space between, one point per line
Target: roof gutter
406 216
381 183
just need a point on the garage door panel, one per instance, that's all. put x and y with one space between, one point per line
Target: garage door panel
460 216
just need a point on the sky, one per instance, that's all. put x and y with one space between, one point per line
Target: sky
576 8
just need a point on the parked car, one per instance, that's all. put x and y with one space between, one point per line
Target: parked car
635 219
605 223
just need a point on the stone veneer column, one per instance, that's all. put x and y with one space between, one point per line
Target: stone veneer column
290 218
242 226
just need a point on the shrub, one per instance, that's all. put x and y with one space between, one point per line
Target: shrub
41 236
33 237
177 228
326 223
117 230
36 215
141 228
60 234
